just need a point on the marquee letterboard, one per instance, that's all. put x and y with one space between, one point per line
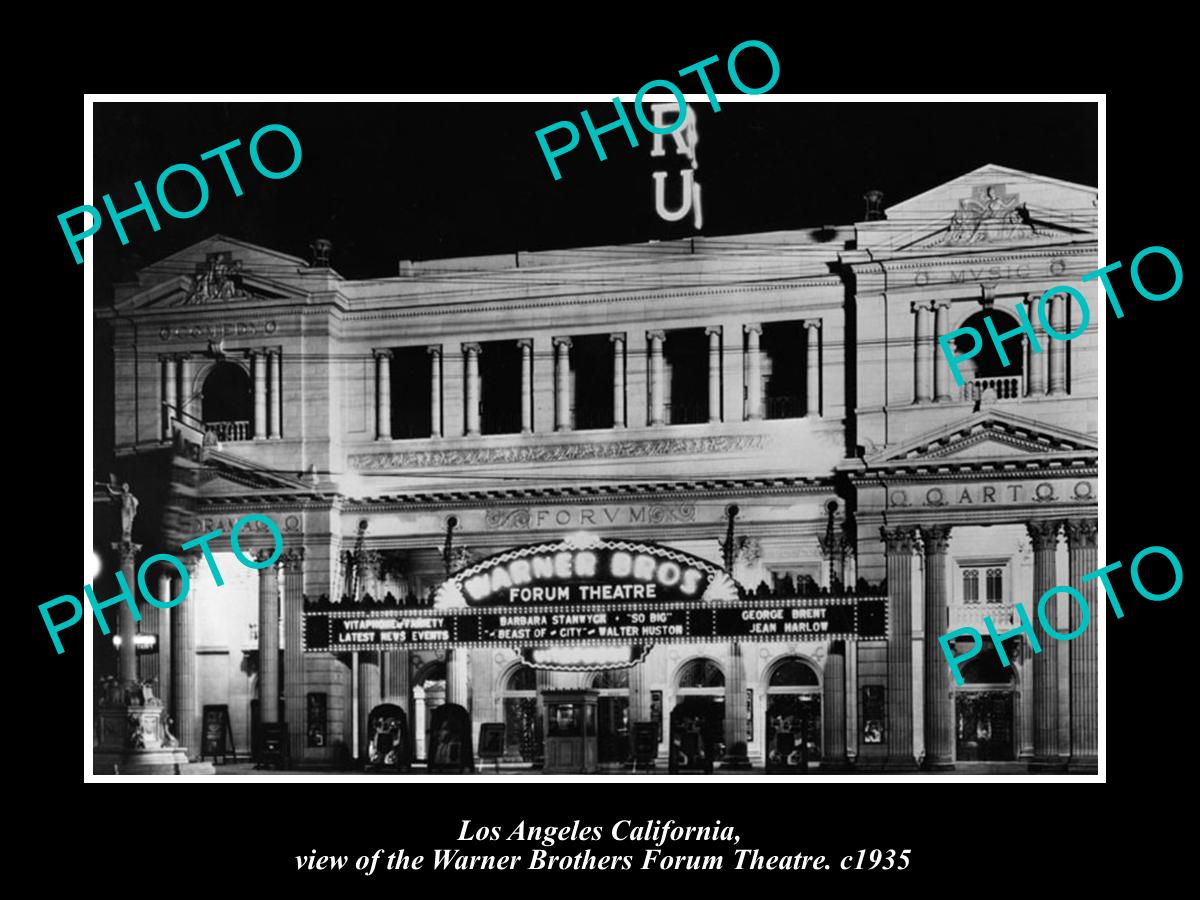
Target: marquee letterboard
841 618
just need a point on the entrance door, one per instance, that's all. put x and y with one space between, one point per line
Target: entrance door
697 727
985 725
614 729
793 730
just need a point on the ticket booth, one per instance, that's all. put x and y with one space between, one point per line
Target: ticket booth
570 731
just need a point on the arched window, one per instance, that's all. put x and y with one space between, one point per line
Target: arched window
701 674
986 669
794 673
611 679
995 585
970 585
227 406
986 368
521 679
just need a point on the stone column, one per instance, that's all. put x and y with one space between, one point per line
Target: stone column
275 419
471 386
183 664
939 705
714 372
147 663
753 372
923 355
833 709
183 386
526 346
435 391
618 342
1081 553
258 374
1058 349
657 376
562 384
458 685
168 394
1035 371
127 667
164 628
268 640
735 707
941 369
383 395
899 699
395 666
368 696
1043 535
812 369
294 700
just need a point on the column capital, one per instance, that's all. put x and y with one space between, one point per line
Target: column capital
899 539
936 539
525 343
263 556
562 342
191 561
943 303
434 349
1043 533
251 352
292 559
127 551
755 327
382 354
472 347
1081 533
617 336
713 329
275 351
656 335
811 323
920 306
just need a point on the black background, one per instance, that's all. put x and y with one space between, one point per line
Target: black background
962 837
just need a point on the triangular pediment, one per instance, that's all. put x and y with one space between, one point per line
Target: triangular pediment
989 207
225 472
213 272
988 436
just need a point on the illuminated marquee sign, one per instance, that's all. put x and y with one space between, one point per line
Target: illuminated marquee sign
586 569
826 618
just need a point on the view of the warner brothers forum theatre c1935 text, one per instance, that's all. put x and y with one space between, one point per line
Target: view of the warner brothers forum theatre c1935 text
655 468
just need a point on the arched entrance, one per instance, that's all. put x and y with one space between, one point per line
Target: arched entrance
613 734
429 693
984 710
793 727
522 723
698 719
227 402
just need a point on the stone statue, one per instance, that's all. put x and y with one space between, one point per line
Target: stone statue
129 505
169 739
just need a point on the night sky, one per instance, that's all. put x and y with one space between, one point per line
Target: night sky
387 182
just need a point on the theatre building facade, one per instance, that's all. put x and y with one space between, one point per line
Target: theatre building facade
684 504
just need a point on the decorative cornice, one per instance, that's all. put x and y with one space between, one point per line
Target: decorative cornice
545 453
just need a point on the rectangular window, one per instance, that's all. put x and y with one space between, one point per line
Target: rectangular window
412 402
783 360
592 377
970 585
500 387
995 585
685 363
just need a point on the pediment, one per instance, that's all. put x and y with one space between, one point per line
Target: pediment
989 207
215 271
988 436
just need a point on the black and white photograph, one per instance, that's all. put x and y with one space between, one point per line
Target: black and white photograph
746 450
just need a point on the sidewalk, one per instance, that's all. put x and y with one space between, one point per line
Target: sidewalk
963 769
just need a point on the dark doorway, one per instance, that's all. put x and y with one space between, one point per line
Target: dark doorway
697 728
685 352
500 387
793 731
783 360
985 725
